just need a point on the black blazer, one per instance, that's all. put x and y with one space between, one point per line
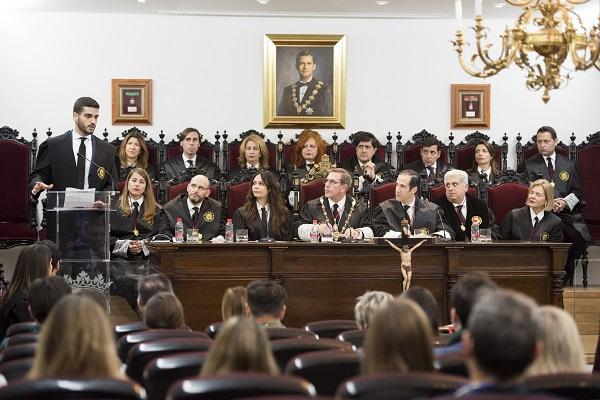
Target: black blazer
517 226
475 207
257 232
175 168
212 217
123 172
475 179
121 226
440 169
389 214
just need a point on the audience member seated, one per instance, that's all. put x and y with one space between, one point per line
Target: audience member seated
54 254
422 216
425 299
534 222
310 147
463 297
335 212
430 163
499 343
254 156
363 163
484 164
264 214
150 285
241 346
398 340
266 302
196 210
560 347
190 139
367 304
461 209
34 262
133 153
97 296
164 311
234 302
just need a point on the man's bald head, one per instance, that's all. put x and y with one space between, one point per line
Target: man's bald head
198 189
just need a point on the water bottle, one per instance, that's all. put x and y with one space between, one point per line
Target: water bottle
179 230
475 232
229 231
314 232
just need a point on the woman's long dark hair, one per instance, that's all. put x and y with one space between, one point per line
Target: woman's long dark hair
32 263
279 213
493 162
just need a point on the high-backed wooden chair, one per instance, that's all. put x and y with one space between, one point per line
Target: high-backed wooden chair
346 150
462 155
236 196
411 151
150 143
508 191
381 193
529 149
231 150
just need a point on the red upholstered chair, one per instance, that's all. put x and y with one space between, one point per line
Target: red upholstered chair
285 349
233 150
509 191
356 337
588 164
312 190
126 342
180 188
568 386
125 329
529 150
17 213
437 192
162 372
16 369
381 193
412 150
326 370
330 328
465 151
151 144
346 150
60 389
236 196
407 386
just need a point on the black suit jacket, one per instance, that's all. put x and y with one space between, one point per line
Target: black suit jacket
382 169
475 179
123 172
121 227
316 101
57 165
440 169
312 210
475 207
175 168
212 217
256 232
390 213
517 226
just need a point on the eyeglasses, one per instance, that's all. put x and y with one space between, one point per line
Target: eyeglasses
332 182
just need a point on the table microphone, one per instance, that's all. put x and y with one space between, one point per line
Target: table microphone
112 181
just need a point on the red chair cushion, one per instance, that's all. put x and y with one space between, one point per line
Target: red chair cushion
505 197
588 160
236 197
14 175
413 153
312 190
382 193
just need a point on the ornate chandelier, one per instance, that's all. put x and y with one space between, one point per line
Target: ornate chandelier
544 35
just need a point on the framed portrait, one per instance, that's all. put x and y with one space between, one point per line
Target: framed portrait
470 106
304 81
132 101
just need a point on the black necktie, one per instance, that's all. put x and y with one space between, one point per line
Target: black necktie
336 214
263 221
406 215
195 217
535 224
80 180
136 211
459 214
191 162
431 175
550 168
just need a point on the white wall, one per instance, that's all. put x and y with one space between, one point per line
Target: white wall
207 73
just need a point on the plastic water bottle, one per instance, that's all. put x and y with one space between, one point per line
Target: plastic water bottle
179 230
314 232
475 232
229 231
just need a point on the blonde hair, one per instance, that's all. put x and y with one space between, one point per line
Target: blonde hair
76 341
241 345
562 351
233 303
150 204
398 340
367 304
164 311
548 192
263 160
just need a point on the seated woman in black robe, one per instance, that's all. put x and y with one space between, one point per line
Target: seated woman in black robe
133 153
254 156
264 214
484 164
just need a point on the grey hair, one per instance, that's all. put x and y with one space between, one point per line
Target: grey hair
459 173
367 304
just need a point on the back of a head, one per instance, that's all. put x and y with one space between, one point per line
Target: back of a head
76 342
465 292
96 295
164 311
367 304
265 297
502 328
33 263
398 340
425 299
54 252
150 285
233 303
44 294
562 350
241 346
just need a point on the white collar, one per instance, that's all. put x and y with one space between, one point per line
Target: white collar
462 203
532 214
411 204
340 204
140 201
185 159
192 205
259 207
552 157
248 166
487 172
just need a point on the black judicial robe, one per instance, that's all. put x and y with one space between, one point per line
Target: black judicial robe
212 217
121 227
312 210
517 226
475 207
175 168
256 232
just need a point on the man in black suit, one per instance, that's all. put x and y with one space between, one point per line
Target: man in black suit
421 215
369 169
460 208
176 167
309 96
430 163
196 210
563 174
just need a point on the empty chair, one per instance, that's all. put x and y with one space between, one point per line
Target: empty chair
330 328
59 389
125 329
162 372
355 337
22 338
22 327
326 370
286 349
128 341
234 386
17 351
287 333
141 354
15 369
571 386
213 329
408 385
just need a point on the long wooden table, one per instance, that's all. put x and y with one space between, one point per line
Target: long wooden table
324 279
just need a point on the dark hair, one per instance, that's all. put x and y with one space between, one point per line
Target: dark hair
503 326
84 102
548 129
305 53
425 299
164 311
142 160
465 292
279 213
490 149
362 136
415 179
32 264
431 141
150 285
44 293
54 252
186 132
265 297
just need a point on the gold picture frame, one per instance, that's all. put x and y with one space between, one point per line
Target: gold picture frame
290 103
132 101
470 106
